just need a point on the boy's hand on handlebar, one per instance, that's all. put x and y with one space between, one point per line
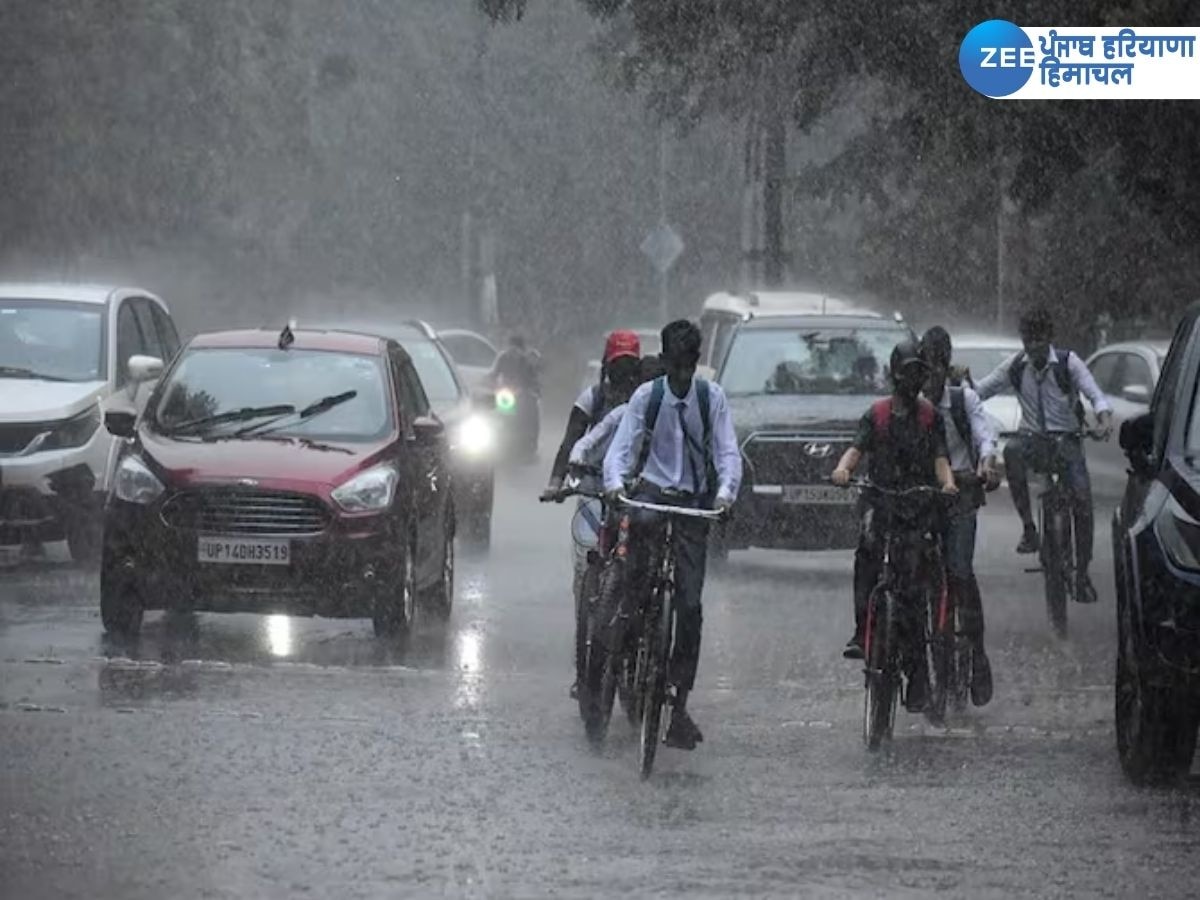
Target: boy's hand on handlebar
612 498
950 488
724 506
1104 425
988 473
840 477
552 491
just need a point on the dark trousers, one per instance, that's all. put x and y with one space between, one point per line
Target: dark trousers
959 546
691 557
1021 455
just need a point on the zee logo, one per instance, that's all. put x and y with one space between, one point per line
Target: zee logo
996 58
1007 58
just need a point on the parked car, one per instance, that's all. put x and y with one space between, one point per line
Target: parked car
472 353
1156 567
298 472
66 353
797 387
469 418
1127 373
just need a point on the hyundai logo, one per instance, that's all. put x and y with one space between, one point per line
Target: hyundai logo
818 451
248 482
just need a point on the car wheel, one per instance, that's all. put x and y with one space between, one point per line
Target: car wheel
395 607
121 607
1155 725
85 539
440 598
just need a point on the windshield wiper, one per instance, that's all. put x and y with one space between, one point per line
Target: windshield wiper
233 415
18 372
313 409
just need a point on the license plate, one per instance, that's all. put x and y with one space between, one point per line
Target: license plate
818 494
261 552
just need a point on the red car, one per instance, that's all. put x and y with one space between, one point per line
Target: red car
281 472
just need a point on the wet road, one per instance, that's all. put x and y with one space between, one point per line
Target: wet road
238 756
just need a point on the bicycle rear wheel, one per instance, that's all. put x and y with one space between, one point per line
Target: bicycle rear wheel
879 708
658 645
939 657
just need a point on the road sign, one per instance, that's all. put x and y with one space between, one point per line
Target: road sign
663 246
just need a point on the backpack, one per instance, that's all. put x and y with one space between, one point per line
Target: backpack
658 390
1062 374
881 416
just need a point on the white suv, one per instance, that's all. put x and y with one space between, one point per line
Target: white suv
68 352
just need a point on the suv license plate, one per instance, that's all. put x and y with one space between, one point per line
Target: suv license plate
819 494
262 552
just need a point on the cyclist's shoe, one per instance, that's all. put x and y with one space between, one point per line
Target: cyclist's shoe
917 696
683 733
981 677
854 648
1085 591
1030 542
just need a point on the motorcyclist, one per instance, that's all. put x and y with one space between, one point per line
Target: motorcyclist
620 369
519 369
676 445
971 444
905 443
1047 382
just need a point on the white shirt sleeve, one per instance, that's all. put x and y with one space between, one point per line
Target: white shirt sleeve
617 460
996 381
1082 376
727 458
586 402
585 448
981 428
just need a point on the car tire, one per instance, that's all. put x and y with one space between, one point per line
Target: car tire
1155 724
396 605
440 598
85 539
121 608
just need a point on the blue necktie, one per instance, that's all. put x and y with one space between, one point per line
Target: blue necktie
686 448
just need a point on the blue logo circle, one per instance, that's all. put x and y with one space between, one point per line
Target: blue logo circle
996 58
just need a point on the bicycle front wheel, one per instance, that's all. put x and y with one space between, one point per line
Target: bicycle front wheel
879 708
658 644
1055 546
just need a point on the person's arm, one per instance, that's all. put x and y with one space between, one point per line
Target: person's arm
577 425
981 428
996 381
599 437
941 453
727 457
854 453
945 475
1081 375
617 460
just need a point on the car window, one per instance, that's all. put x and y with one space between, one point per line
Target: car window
721 340
1136 371
415 397
129 340
434 370
213 380
151 340
167 335
1104 369
468 350
809 360
981 361
53 340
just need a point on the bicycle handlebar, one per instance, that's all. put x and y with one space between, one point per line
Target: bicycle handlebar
891 492
573 488
687 512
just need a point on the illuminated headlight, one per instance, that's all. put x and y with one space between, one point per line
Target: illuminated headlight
135 483
75 431
475 436
372 491
1179 534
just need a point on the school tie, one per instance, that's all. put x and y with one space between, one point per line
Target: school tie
686 448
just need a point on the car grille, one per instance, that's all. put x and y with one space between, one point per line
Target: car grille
15 438
245 513
792 458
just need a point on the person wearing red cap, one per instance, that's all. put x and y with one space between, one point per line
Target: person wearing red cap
620 374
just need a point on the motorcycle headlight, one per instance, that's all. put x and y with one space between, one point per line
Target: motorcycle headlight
1179 534
75 431
135 483
475 436
370 491
506 400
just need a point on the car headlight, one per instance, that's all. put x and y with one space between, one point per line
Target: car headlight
475 436
370 491
1179 534
75 431
135 483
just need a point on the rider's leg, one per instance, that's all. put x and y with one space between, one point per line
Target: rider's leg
868 560
960 568
691 550
1017 472
1079 483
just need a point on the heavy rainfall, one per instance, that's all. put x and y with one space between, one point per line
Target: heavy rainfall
590 448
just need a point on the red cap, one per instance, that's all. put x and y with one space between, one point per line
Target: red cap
622 343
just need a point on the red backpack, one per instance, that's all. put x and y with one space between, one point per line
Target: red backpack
881 415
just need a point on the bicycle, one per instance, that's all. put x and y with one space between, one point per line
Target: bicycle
1056 522
589 534
911 547
641 654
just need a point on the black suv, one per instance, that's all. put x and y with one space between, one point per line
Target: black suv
1156 561
797 386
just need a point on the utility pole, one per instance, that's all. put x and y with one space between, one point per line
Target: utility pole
664 299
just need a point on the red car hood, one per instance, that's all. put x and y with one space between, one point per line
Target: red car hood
280 463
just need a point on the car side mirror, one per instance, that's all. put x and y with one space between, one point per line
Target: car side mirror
1136 393
428 429
1137 441
143 368
120 423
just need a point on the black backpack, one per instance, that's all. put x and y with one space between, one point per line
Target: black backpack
657 391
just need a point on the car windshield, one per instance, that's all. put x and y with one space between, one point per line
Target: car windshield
52 340
434 370
809 361
210 382
981 361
